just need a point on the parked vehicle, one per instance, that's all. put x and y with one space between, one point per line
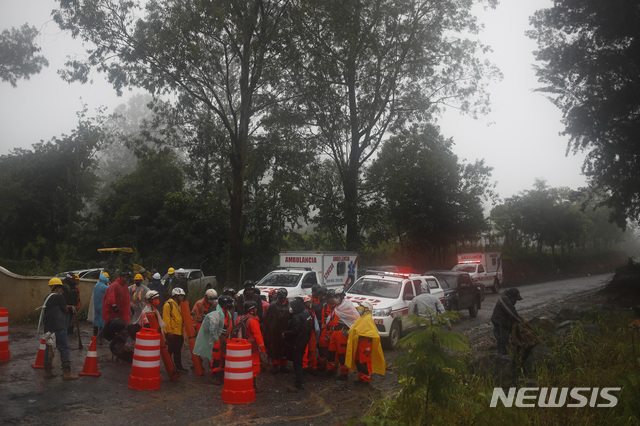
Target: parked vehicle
460 292
198 282
88 274
298 281
390 295
332 268
482 267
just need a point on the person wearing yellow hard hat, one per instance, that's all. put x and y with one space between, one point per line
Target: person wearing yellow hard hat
137 293
55 310
169 283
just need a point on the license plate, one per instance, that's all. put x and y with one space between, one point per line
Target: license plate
378 321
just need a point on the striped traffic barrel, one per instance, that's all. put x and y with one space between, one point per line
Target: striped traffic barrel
238 373
4 335
145 369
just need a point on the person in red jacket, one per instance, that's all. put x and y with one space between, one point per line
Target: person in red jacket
116 303
325 332
248 327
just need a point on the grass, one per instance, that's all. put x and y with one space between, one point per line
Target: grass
580 360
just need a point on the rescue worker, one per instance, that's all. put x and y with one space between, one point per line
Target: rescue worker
203 307
72 296
504 317
297 337
275 324
153 301
116 302
137 293
344 316
98 294
325 333
249 327
55 316
228 291
250 294
172 316
310 359
182 282
211 340
364 351
156 285
427 305
145 276
169 284
264 302
318 299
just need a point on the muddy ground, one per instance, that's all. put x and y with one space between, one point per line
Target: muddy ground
27 398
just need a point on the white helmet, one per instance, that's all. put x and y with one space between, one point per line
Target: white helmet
152 294
367 306
156 276
177 292
211 294
181 271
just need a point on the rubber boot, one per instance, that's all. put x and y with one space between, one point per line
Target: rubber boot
48 374
255 385
68 375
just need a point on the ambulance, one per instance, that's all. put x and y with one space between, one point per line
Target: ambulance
300 270
485 268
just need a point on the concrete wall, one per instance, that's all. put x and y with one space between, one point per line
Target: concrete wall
20 296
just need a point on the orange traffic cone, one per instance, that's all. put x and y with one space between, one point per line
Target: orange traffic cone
5 354
40 358
91 362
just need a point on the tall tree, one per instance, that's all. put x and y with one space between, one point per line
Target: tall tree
18 54
366 66
216 56
590 66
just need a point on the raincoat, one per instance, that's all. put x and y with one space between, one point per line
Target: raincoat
98 294
137 294
118 294
347 312
209 334
144 321
365 327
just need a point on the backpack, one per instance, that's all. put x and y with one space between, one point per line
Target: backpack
240 329
113 327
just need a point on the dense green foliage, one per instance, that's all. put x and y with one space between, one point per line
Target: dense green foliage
18 54
590 60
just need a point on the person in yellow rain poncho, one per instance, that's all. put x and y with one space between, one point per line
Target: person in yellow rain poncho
364 351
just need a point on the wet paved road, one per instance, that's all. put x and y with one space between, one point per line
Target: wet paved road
27 398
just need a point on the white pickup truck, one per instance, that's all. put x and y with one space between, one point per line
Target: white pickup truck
485 268
198 282
390 295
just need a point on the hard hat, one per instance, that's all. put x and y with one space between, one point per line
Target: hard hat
106 274
76 276
367 306
249 284
151 294
181 271
249 305
211 294
125 274
137 277
70 275
171 271
54 281
177 292
225 302
339 292
315 288
282 294
142 270
156 276
228 291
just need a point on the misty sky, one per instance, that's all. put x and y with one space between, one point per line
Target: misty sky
519 139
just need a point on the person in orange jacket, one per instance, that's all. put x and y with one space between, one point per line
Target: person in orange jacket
247 327
325 332
204 306
344 315
310 360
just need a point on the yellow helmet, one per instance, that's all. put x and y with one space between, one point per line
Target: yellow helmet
171 271
54 281
76 276
137 277
106 274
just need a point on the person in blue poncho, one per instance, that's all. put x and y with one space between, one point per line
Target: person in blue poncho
98 294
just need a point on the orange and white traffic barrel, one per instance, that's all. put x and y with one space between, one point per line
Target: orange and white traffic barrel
238 373
145 369
4 335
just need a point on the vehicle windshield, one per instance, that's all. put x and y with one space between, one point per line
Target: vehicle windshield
376 287
281 279
450 281
465 268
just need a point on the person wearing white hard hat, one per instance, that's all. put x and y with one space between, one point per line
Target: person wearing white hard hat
182 282
204 306
153 301
172 316
156 285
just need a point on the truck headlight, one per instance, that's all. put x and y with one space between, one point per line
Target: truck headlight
384 312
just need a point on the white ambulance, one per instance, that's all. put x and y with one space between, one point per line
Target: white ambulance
485 268
300 270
